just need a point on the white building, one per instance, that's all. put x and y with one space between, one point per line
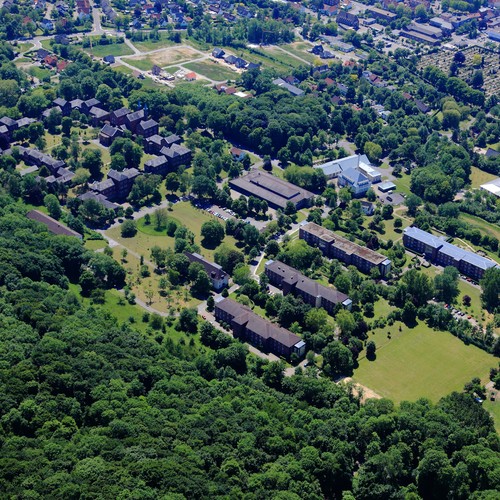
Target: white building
492 187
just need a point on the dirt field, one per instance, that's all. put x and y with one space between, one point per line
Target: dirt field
166 57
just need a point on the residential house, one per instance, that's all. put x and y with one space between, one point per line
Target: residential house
348 19
156 70
97 116
176 155
190 77
289 280
118 117
89 104
438 251
295 91
108 134
109 59
91 195
334 246
63 105
133 119
218 53
248 326
50 60
157 165
76 104
147 128
46 24
217 275
237 154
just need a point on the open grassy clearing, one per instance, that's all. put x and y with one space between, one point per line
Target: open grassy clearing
283 57
482 225
421 362
95 244
149 45
493 407
162 58
259 57
212 70
403 184
115 49
46 44
479 177
300 50
177 298
147 237
39 72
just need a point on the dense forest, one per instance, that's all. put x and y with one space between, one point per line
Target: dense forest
91 408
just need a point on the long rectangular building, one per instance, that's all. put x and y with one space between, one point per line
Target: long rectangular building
250 327
440 252
313 293
275 191
334 246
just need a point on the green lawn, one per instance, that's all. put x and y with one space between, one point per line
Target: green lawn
148 45
420 362
212 70
286 58
46 44
143 63
260 57
147 237
484 226
115 49
123 69
39 73
300 49
95 244
493 407
403 184
479 177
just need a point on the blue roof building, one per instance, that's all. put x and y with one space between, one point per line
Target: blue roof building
355 180
445 254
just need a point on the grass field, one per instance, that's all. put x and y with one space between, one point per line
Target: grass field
147 237
115 49
39 73
493 407
479 177
261 58
300 50
283 56
421 362
482 225
403 184
149 45
46 44
212 70
95 244
163 58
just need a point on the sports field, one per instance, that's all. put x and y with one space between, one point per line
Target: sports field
421 362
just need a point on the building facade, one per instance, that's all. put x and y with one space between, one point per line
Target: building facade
248 326
438 251
334 246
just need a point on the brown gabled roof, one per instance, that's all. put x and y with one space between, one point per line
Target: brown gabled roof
52 225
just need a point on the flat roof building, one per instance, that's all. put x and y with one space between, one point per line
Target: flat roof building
248 326
275 191
386 186
313 293
335 246
492 187
437 250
